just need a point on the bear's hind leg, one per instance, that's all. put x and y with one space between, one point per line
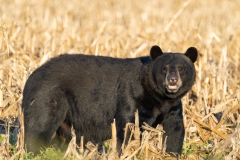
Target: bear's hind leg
43 115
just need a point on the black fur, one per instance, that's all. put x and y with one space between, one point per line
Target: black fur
88 92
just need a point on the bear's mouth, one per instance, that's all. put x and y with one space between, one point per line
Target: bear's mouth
171 88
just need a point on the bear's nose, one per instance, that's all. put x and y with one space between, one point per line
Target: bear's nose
173 79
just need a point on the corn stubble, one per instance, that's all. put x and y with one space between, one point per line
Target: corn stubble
151 145
31 32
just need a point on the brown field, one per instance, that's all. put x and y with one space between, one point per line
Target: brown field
32 31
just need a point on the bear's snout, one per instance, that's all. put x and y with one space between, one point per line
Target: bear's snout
172 81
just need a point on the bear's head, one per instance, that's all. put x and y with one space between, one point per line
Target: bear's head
173 73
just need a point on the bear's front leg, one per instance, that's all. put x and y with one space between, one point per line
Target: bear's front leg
174 129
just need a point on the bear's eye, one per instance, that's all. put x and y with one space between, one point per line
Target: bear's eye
180 68
165 69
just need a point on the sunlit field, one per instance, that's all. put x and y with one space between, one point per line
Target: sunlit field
32 32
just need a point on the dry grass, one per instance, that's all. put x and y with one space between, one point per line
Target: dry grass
33 31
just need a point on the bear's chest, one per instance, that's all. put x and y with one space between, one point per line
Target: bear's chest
149 116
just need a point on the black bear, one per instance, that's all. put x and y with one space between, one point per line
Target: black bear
88 92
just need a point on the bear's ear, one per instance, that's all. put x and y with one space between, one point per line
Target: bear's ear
155 52
192 54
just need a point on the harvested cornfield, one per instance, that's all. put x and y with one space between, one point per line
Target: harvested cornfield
31 32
